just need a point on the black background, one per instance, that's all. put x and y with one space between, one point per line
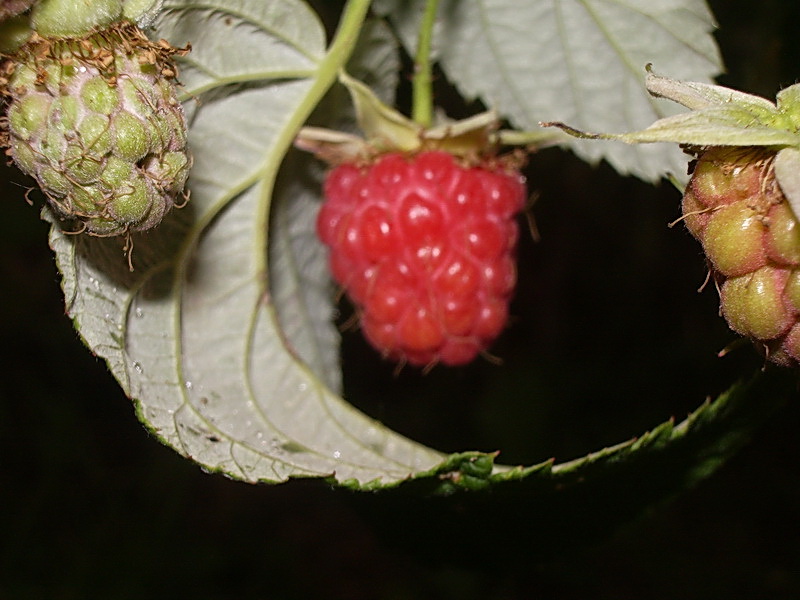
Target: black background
609 338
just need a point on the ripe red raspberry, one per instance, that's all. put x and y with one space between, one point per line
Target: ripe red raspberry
736 208
424 245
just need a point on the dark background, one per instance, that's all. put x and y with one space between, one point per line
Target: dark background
609 338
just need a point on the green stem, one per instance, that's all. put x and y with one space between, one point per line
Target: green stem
422 95
337 55
350 24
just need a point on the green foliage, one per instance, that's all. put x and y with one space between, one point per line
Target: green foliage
223 335
582 63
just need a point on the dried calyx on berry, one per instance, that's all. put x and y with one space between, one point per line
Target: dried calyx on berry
95 119
421 231
741 202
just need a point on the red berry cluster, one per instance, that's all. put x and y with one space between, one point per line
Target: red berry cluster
424 248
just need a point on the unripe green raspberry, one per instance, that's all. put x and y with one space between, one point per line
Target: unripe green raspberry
14 30
733 239
74 18
97 122
782 241
753 304
737 210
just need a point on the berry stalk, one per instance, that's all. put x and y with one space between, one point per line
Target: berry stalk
422 92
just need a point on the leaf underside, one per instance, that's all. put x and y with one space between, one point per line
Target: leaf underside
192 334
580 62
222 333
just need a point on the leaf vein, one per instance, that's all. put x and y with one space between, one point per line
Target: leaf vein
246 18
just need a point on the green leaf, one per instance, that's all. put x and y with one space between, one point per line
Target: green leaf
697 95
670 456
719 117
714 126
530 514
300 282
222 335
577 61
192 334
789 105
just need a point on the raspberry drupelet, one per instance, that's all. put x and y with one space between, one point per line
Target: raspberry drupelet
423 244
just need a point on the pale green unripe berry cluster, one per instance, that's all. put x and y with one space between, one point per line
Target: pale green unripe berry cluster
77 18
105 139
61 19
